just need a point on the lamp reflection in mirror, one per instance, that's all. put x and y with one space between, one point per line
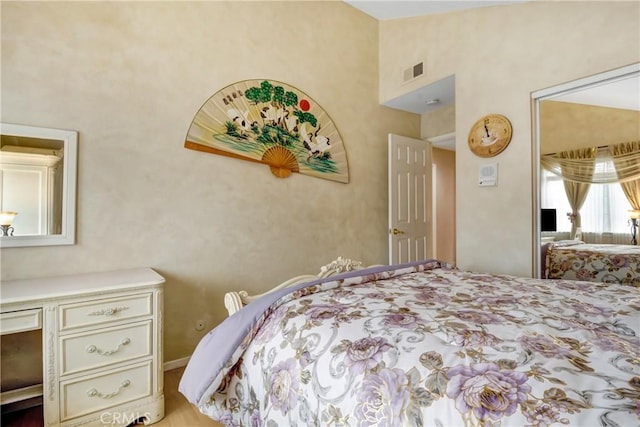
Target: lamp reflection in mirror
6 219
635 215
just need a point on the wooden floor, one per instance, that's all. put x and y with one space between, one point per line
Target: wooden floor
177 411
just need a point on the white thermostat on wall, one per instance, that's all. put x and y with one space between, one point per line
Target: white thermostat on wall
488 175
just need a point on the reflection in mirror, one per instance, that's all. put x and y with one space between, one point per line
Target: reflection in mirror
579 129
37 185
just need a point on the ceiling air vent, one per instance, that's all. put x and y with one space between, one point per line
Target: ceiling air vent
413 72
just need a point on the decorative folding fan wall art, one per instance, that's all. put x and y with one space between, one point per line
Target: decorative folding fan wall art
270 122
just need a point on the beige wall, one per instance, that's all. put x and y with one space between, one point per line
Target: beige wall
438 122
566 126
130 76
499 55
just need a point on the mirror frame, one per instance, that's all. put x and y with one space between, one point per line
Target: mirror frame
69 139
537 97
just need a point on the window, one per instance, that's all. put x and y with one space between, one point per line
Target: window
605 210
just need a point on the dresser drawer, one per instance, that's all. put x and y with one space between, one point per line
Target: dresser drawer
20 321
105 347
106 310
102 391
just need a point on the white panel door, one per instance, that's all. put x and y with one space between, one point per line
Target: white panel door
409 199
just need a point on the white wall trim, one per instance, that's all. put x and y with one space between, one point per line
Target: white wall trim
174 364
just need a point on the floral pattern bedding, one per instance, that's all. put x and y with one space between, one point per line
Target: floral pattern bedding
594 263
435 346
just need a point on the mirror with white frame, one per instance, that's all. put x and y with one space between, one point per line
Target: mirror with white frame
595 111
38 169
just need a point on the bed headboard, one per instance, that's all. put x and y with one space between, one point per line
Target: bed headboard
235 300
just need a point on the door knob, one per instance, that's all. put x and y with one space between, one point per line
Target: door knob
396 231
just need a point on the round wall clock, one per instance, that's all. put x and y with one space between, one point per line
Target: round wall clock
490 135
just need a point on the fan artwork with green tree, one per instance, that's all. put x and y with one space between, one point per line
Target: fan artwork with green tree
270 122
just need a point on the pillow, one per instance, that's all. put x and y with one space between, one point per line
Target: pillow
563 243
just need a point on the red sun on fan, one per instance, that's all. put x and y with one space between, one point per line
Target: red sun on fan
304 105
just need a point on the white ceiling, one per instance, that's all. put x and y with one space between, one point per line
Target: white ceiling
389 9
431 97
623 93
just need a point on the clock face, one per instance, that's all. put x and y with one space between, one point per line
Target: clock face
490 135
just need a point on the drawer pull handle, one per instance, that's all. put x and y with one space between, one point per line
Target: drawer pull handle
93 349
95 393
108 311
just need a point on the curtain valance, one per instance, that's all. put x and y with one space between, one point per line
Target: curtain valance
579 166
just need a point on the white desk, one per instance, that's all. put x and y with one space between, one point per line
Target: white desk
101 345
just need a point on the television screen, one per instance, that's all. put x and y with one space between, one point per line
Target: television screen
548 220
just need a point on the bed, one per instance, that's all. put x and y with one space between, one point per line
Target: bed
576 260
424 344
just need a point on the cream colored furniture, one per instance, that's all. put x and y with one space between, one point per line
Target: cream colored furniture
101 345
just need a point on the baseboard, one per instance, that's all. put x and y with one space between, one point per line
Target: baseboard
175 364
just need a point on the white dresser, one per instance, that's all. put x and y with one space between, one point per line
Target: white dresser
101 345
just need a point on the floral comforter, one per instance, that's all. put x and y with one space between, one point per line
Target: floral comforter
425 344
594 263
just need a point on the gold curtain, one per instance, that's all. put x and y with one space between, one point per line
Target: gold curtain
626 158
582 163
